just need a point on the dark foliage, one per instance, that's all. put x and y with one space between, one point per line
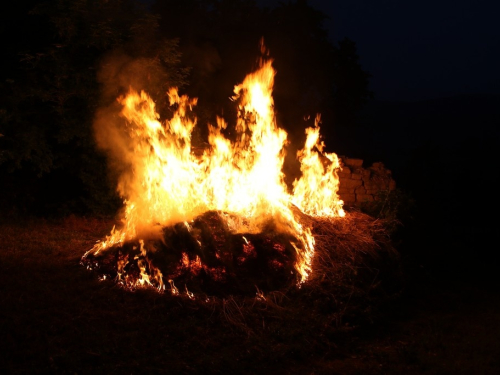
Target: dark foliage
443 154
220 41
48 159
72 57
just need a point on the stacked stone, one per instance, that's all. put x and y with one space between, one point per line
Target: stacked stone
359 185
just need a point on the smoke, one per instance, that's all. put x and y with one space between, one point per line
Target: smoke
118 73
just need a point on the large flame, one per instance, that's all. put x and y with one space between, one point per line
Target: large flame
167 183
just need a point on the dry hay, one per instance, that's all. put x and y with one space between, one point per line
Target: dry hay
206 257
354 268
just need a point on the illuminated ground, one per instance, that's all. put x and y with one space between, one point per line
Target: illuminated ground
58 318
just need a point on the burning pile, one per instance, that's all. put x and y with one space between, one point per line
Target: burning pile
222 220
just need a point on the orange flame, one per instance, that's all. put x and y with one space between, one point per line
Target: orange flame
168 184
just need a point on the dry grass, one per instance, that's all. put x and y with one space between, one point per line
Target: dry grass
353 264
58 318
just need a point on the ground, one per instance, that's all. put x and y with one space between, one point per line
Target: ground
57 317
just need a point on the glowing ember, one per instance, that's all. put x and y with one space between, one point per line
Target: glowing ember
167 185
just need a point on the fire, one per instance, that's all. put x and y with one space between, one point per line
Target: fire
315 192
166 183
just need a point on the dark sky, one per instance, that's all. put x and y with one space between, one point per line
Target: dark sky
421 49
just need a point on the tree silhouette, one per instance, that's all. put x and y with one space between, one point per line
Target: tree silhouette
219 39
73 57
48 148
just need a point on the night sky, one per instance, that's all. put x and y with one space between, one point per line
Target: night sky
417 50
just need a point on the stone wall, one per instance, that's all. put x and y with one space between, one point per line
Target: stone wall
359 185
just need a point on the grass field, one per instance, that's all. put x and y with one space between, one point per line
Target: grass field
58 318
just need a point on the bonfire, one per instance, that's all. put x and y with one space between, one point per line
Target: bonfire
223 221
